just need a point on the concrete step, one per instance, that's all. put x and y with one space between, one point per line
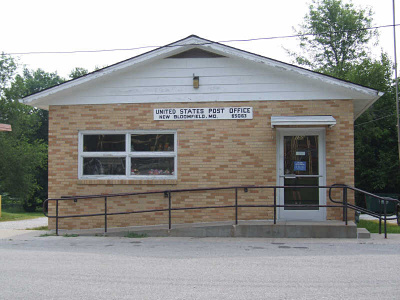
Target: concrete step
256 228
363 233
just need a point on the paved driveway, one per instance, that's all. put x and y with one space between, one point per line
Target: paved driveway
34 267
24 224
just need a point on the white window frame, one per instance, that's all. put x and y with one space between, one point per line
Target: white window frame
127 154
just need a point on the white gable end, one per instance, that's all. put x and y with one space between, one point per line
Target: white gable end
230 78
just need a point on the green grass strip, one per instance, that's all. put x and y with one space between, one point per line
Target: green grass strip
70 235
130 234
47 234
39 228
16 216
373 226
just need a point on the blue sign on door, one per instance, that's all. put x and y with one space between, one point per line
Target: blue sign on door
300 166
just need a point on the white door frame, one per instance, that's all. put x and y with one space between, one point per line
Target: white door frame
312 215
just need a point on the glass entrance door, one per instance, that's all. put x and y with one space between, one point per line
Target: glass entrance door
302 163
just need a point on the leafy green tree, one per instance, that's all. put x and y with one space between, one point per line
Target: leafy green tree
376 157
23 160
77 72
333 36
7 71
31 82
334 42
21 164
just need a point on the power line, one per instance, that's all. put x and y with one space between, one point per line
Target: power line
384 117
201 44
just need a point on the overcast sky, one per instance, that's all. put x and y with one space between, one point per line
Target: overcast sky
53 25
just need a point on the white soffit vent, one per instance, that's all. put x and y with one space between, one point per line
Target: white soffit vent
303 120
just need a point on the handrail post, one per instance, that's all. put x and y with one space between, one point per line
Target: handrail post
345 204
384 211
274 205
169 210
105 214
236 206
57 217
380 216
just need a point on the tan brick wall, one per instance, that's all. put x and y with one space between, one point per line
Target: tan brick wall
211 153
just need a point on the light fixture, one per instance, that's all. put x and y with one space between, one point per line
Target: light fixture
196 81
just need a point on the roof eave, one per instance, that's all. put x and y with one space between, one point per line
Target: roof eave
369 104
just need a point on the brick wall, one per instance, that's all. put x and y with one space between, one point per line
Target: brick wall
211 153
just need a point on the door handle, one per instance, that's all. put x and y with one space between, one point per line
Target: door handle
293 176
290 176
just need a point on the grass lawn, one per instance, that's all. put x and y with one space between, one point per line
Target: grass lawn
373 226
15 216
39 228
135 235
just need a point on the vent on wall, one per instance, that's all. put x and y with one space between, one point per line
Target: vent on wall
196 53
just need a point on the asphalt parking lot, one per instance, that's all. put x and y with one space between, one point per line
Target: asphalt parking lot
51 267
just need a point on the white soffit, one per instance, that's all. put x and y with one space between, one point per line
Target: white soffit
302 121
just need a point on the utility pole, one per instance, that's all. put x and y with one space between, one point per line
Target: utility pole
397 81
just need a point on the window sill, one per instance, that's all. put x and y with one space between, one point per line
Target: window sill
126 181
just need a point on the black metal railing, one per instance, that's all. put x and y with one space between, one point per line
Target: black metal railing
381 215
343 203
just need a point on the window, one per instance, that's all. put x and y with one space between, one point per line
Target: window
127 155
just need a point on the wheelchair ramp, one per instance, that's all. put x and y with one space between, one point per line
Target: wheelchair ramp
249 229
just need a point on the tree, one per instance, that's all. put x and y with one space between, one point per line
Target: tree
77 72
334 43
23 160
376 157
28 83
7 71
333 36
21 163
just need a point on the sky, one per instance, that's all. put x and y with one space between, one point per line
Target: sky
55 25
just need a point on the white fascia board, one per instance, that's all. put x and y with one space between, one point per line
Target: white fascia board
303 121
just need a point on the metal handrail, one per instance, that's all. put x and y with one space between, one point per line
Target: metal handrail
167 193
380 215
